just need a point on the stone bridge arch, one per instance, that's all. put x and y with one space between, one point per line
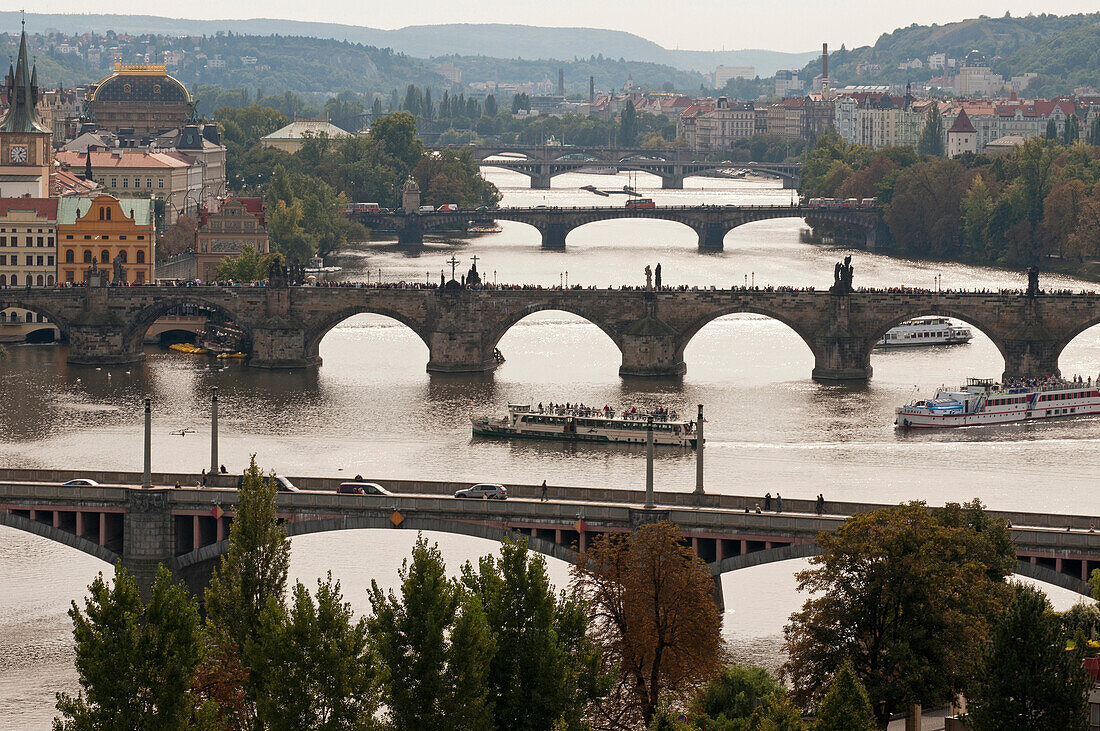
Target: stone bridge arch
1070 334
12 298
500 328
686 334
683 218
133 335
59 535
932 309
319 328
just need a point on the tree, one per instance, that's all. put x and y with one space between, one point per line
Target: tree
906 595
1052 130
776 713
628 125
1072 131
545 668
845 706
1094 132
178 238
925 214
244 600
1028 677
323 665
1062 210
932 136
248 266
727 701
977 207
652 610
491 106
434 648
135 661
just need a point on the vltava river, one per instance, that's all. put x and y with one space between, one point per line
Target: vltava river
372 409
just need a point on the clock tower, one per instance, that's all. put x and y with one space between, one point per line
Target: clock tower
26 152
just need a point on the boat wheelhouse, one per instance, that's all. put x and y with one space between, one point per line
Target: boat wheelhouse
587 424
925 331
983 401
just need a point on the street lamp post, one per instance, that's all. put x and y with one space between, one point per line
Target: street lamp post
214 431
699 452
649 463
147 473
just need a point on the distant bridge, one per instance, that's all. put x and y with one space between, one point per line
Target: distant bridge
711 223
178 528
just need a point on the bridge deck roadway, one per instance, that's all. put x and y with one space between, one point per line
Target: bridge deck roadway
1057 548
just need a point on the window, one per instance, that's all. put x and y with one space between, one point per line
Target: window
40 241
3 280
87 256
125 182
87 237
122 256
114 184
3 260
139 278
3 240
49 261
39 260
69 277
141 257
148 182
160 182
68 237
30 241
122 238
49 280
14 279
104 257
140 237
30 260
69 256
40 280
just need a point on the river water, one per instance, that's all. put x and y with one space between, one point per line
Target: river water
372 409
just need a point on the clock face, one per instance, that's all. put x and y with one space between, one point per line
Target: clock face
18 153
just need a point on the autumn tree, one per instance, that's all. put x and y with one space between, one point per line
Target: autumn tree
1084 243
1028 677
135 661
727 700
925 214
653 612
906 594
178 238
434 648
545 668
1062 210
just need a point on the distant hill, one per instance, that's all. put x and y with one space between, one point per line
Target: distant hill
1061 49
497 40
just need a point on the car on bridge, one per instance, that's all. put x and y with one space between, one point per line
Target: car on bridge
447 207
484 491
362 488
81 482
282 484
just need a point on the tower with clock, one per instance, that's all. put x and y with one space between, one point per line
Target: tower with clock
26 153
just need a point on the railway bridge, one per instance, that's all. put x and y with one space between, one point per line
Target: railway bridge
186 529
711 223
651 328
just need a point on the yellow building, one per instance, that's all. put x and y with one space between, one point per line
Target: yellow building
102 230
28 251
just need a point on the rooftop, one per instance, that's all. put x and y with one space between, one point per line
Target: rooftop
300 128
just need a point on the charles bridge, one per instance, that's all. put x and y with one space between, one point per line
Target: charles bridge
711 223
542 162
186 529
651 327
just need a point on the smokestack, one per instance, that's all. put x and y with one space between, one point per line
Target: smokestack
591 89
561 82
825 62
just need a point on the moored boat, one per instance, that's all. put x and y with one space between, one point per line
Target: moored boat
925 331
587 424
983 401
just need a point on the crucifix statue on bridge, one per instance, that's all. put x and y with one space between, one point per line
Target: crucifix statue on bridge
472 277
454 263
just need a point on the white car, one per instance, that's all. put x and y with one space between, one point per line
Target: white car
81 482
486 491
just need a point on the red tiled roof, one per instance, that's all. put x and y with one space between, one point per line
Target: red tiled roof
43 207
962 123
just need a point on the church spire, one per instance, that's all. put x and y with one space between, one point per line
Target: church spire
22 88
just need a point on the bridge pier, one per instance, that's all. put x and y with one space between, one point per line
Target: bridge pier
459 352
1031 358
540 180
553 236
841 358
712 236
791 183
412 233
102 345
672 182
650 354
281 347
149 537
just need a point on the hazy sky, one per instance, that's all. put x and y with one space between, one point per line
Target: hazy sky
785 25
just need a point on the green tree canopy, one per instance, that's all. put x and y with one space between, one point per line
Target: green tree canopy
932 136
726 702
845 706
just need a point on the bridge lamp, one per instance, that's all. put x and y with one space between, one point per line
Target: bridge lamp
649 503
146 475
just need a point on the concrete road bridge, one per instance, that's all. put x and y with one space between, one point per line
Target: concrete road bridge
710 223
542 162
183 530
651 328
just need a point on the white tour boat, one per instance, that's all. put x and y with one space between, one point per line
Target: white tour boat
925 331
584 424
982 401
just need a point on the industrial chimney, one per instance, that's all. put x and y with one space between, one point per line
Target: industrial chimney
591 89
825 64
561 82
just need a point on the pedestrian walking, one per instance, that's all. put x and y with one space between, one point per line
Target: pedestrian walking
543 498
778 503
820 503
767 501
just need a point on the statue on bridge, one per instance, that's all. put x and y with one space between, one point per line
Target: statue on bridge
648 277
118 270
276 273
842 276
657 276
472 277
1032 281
